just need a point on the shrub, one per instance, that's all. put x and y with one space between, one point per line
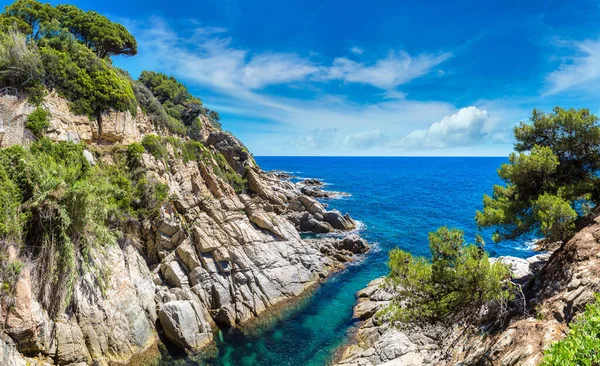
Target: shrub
134 153
37 121
581 346
457 285
152 107
36 93
154 145
173 96
20 61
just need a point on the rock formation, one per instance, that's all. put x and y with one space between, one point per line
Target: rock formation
212 258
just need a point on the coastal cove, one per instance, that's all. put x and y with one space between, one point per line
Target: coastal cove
397 202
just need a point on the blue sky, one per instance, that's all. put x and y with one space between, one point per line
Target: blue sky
370 77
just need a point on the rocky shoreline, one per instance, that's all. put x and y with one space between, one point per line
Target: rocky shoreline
557 286
213 258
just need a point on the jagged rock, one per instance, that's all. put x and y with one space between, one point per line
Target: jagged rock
312 182
71 348
184 324
311 205
354 244
339 221
210 256
316 226
174 274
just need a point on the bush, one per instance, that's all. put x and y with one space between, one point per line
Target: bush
173 96
152 107
459 284
154 145
581 346
37 121
20 60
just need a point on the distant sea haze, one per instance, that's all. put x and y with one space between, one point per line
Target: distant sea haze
397 200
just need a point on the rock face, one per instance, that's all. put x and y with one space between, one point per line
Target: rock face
212 258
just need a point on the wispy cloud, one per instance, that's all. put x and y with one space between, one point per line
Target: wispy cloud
396 69
580 71
357 50
367 139
209 59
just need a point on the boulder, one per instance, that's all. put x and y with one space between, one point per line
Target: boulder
174 274
184 325
354 244
316 226
339 221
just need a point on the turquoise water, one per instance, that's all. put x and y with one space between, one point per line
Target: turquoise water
397 201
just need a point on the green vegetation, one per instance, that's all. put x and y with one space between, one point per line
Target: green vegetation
581 346
37 121
191 150
66 49
59 207
457 284
173 96
551 181
98 33
152 107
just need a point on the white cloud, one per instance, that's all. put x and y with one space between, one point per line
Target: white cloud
581 71
396 69
357 50
366 140
469 126
208 58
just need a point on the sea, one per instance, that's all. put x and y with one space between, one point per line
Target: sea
396 201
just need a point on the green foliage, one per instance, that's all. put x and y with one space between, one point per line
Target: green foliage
66 49
155 146
36 93
173 96
9 275
458 284
34 14
97 32
62 207
581 346
91 84
152 107
37 121
555 166
134 153
20 61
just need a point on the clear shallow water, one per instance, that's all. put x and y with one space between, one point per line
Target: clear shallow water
398 201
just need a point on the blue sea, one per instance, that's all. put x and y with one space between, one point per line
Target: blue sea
397 201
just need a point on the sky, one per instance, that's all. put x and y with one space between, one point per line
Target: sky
443 78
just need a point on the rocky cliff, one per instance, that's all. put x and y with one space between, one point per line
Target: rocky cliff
557 288
213 258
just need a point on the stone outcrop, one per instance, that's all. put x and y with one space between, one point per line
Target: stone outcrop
212 258
558 287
